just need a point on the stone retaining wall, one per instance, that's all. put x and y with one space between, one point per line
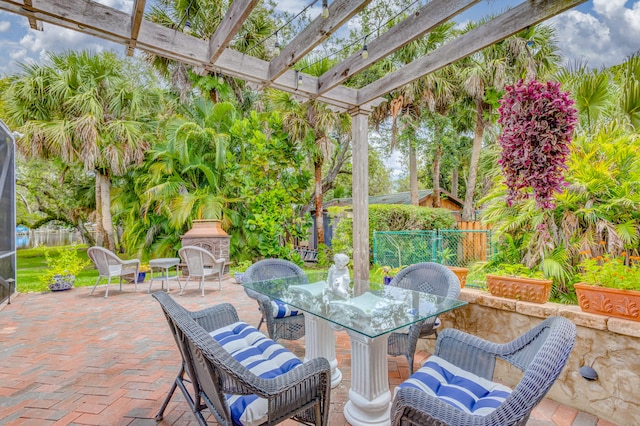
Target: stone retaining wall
610 345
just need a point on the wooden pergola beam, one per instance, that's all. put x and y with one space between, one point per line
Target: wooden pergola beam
136 18
229 27
162 41
80 15
33 22
529 13
314 34
415 26
102 21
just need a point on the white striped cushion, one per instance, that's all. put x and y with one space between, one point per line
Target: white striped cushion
263 357
465 391
282 310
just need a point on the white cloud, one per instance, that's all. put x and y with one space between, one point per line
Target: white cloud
122 5
4 26
604 37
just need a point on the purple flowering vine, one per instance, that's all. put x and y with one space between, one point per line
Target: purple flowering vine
537 124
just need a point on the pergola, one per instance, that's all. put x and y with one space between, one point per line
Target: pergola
214 54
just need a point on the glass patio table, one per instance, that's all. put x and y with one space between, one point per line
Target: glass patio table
368 319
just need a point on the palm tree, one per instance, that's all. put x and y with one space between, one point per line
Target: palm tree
528 54
602 95
312 124
200 19
435 92
183 180
84 109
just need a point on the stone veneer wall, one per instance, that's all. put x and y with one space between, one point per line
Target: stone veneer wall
610 345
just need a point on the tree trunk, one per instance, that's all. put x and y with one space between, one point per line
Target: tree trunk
454 182
99 227
85 234
329 182
413 174
318 190
468 209
435 197
107 221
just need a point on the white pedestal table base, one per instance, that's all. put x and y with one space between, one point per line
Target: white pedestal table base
321 342
369 397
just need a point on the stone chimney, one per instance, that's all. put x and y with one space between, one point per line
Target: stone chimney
209 235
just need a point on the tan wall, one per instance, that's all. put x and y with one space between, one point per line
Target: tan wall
444 203
610 345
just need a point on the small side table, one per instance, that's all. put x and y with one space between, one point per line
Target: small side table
162 267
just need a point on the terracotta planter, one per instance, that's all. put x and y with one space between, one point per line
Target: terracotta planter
612 302
524 289
461 273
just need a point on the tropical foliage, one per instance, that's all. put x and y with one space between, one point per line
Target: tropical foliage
601 204
85 110
142 156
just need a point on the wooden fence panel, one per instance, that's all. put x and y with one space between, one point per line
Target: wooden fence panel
476 245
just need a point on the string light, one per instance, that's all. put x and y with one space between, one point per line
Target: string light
325 8
281 27
185 19
365 49
277 44
299 82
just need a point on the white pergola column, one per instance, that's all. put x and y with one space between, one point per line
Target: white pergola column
360 197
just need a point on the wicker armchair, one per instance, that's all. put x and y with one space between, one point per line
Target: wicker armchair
427 277
215 376
109 265
201 264
540 353
279 326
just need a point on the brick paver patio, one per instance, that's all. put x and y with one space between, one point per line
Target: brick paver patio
70 358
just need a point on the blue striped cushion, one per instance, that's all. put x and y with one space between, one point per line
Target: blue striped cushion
261 355
282 310
465 391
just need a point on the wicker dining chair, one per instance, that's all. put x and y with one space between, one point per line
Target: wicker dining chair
109 265
426 277
455 387
201 264
283 322
217 376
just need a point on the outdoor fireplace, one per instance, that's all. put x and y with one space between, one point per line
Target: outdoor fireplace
209 235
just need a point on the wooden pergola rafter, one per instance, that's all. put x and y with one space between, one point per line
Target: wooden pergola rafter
214 54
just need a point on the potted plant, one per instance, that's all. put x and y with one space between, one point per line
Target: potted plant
447 256
144 270
516 281
388 273
610 285
63 268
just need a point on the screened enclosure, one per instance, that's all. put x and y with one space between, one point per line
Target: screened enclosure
7 215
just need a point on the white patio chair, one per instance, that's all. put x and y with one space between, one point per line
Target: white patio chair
109 265
201 264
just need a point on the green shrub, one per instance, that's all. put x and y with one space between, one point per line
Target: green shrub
386 217
66 261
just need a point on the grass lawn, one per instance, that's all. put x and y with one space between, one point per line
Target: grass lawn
32 264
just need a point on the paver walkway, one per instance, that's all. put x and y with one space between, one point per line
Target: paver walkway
67 358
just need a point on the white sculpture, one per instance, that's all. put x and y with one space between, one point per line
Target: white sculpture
339 278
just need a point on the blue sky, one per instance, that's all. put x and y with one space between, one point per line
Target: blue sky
598 33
